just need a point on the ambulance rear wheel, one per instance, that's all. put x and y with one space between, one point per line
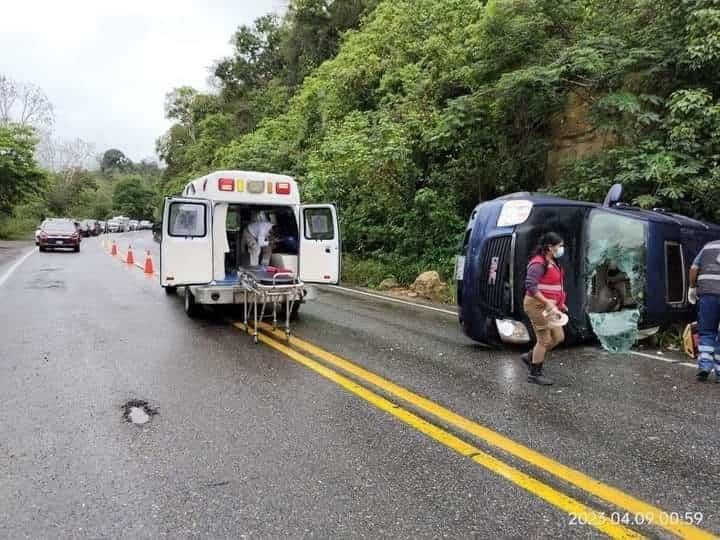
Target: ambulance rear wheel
294 315
192 309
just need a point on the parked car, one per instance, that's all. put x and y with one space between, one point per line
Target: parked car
102 225
133 225
59 233
157 231
89 227
145 225
114 226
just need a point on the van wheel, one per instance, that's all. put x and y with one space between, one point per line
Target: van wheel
170 291
191 308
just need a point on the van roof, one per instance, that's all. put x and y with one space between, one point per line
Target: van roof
250 187
655 215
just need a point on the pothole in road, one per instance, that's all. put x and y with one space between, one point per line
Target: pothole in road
138 411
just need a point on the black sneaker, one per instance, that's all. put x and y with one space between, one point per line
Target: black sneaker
702 375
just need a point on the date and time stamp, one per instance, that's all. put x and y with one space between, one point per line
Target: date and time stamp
629 518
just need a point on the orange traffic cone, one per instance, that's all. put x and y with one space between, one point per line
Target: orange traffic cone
113 251
130 259
149 264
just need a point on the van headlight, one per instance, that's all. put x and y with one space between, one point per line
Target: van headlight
512 331
514 213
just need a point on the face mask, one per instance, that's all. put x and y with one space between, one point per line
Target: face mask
559 252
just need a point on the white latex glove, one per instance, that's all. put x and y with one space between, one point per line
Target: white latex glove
692 295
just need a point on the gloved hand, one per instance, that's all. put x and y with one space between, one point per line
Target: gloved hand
692 295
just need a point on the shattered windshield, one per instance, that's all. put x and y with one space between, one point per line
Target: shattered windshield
616 284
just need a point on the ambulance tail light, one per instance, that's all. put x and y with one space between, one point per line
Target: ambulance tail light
282 188
226 184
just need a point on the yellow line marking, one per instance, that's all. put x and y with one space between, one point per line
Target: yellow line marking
583 513
636 507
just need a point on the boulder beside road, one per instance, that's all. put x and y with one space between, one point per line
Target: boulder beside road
430 286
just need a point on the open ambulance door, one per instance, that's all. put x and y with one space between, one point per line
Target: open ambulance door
319 260
186 246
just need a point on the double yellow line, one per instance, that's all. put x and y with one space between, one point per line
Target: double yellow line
582 514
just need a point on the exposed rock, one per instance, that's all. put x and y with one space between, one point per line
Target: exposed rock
430 286
387 284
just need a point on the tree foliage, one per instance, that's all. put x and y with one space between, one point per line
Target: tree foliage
407 113
20 177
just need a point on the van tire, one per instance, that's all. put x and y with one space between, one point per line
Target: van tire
192 309
170 291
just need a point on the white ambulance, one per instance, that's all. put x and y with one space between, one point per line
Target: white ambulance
202 247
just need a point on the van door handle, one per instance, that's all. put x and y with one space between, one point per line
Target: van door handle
327 250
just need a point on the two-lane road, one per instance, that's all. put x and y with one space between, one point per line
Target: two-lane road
380 420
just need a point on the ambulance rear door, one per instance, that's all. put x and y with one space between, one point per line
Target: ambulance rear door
319 260
186 246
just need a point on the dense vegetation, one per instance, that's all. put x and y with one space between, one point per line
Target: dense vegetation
29 193
406 113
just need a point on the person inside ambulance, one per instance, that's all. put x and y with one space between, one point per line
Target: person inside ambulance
256 240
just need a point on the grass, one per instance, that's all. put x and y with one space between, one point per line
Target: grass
365 272
17 228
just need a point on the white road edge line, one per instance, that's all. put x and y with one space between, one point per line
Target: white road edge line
389 299
658 357
454 314
14 267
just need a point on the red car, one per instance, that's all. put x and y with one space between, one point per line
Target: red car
59 233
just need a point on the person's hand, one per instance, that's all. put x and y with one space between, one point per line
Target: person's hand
692 295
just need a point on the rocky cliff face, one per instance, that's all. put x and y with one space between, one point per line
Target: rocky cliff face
573 136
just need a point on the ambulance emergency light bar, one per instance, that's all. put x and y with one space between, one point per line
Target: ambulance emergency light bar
253 186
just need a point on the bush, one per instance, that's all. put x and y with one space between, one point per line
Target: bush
16 228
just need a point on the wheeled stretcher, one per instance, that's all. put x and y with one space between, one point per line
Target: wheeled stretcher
262 287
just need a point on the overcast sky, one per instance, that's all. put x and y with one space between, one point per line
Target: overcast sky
107 65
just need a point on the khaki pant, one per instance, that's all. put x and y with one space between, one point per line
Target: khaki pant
547 337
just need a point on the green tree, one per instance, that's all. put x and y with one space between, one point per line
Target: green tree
115 160
131 197
20 177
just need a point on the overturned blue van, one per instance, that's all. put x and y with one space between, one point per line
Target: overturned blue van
623 266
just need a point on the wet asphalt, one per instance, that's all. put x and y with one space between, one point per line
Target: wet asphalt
248 443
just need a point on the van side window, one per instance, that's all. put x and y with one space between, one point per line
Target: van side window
319 224
674 273
187 220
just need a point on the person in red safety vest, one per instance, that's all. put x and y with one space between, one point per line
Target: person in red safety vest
544 294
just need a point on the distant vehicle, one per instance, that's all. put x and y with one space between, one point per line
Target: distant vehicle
157 231
124 223
59 233
37 233
145 225
89 227
114 226
102 226
133 225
